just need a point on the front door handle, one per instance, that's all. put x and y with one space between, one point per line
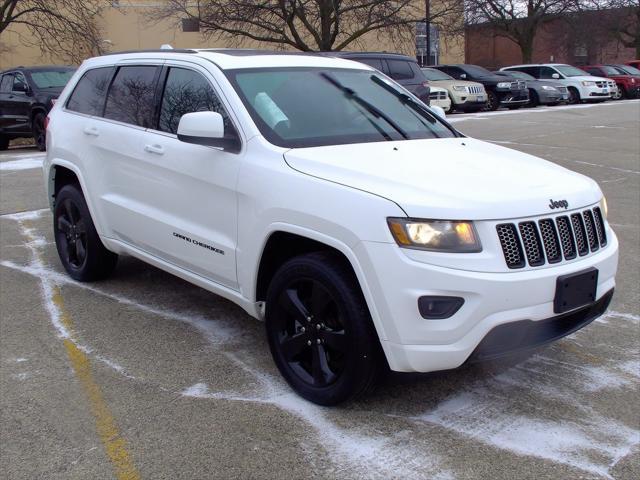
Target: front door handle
157 149
93 131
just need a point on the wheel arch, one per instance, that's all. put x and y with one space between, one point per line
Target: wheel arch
286 241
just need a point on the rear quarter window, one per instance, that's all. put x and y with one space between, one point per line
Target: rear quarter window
88 95
400 69
6 83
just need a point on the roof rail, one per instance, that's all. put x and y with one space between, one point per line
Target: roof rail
154 50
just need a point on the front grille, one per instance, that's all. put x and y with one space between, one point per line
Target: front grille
552 239
438 96
519 85
511 246
475 89
601 84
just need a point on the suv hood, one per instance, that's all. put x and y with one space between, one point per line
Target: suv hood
453 178
451 83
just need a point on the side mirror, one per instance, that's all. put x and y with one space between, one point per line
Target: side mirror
439 111
207 128
555 76
463 76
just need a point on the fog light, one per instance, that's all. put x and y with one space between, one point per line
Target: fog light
434 308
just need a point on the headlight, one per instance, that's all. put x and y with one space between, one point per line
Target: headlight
459 88
547 87
436 235
588 84
604 208
504 85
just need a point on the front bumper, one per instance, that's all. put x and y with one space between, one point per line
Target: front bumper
513 97
546 96
412 343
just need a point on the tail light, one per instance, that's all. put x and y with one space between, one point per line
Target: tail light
46 122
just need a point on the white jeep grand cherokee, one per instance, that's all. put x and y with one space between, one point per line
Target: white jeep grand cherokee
318 194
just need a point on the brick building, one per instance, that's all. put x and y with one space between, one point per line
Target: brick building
579 39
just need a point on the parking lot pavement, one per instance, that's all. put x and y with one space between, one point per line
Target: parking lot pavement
146 376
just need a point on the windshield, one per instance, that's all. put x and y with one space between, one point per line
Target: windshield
520 75
433 74
308 107
628 69
51 78
477 71
569 71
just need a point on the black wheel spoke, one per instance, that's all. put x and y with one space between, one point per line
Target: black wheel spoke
69 211
81 227
72 255
320 298
80 250
292 346
291 302
64 225
320 370
335 340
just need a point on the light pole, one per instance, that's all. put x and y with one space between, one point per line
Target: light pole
427 24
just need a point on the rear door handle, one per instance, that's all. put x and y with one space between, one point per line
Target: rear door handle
93 131
157 149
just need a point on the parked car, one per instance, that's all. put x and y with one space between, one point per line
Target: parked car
438 97
465 96
363 228
628 85
582 86
626 69
401 68
26 96
634 63
501 91
540 91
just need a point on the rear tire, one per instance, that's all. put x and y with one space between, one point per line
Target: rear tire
81 251
319 329
39 132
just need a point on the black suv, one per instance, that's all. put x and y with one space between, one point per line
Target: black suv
26 96
404 70
501 91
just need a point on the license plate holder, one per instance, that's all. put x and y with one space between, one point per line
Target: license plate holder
575 290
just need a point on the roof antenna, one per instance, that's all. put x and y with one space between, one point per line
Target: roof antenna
166 46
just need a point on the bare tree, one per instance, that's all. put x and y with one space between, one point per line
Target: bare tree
620 19
518 20
66 29
307 25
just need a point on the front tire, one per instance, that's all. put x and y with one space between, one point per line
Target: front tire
81 251
534 100
492 101
319 329
574 96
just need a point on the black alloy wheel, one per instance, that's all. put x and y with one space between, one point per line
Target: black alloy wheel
80 249
319 329
39 131
72 232
492 101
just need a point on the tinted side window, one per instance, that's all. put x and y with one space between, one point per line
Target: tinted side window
130 97
594 71
187 91
546 72
455 72
400 69
533 71
88 96
6 83
372 62
19 83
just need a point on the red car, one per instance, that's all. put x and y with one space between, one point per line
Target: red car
634 63
628 85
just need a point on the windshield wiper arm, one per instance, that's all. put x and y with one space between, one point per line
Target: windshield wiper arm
372 109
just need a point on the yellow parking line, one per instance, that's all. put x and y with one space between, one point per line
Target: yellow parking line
115 445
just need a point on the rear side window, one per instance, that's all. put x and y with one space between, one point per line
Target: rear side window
187 91
400 70
593 71
6 83
88 96
130 97
372 62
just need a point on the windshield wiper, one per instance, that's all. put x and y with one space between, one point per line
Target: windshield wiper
372 109
423 110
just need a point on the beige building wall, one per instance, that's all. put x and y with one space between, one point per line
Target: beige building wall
125 28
